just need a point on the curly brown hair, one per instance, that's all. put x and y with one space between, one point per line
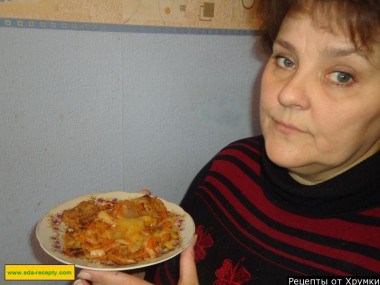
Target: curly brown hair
359 19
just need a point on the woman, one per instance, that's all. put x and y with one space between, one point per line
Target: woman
303 199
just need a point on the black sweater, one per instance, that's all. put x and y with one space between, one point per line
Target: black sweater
256 225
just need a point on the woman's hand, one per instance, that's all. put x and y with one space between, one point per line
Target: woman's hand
188 270
188 273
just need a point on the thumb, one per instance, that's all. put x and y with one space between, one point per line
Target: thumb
188 270
107 278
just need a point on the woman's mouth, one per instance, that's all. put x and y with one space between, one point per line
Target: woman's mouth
286 129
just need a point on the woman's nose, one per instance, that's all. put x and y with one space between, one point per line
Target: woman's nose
295 92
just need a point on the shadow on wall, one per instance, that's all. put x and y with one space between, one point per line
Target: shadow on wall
262 57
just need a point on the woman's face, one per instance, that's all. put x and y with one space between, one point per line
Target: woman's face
320 101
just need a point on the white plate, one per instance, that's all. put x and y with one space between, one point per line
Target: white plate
51 229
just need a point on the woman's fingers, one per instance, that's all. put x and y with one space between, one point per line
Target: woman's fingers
94 277
145 191
188 271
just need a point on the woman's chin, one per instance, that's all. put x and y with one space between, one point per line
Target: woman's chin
286 156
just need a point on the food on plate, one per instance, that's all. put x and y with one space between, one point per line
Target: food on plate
120 231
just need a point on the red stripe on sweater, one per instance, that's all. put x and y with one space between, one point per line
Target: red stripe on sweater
251 163
375 213
241 243
344 255
245 145
165 268
157 277
335 228
168 275
264 245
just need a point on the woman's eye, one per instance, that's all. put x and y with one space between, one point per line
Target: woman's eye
340 77
284 62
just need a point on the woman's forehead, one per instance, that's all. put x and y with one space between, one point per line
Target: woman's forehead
331 21
342 17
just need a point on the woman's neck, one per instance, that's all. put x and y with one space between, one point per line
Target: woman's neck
316 178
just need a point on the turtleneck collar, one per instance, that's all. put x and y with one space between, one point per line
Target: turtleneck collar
354 190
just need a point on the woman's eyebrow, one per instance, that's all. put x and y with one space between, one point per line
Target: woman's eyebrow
285 44
329 51
340 52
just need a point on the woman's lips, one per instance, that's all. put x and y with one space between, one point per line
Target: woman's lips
286 129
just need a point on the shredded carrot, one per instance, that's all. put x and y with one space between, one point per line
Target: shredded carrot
124 240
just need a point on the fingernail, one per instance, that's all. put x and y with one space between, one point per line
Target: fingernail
78 282
84 275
